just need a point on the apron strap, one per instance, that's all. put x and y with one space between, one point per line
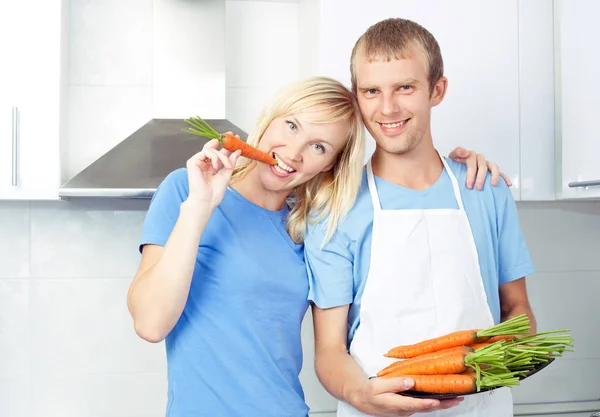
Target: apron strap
454 184
373 188
375 196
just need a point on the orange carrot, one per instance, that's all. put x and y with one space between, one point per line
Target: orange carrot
476 346
451 363
434 355
513 326
444 384
233 143
228 141
459 338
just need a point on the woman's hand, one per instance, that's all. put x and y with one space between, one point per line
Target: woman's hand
477 167
209 172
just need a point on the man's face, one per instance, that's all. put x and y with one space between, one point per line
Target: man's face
395 100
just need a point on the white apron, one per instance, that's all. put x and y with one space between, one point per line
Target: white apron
424 281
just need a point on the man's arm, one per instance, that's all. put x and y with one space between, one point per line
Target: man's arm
514 301
343 378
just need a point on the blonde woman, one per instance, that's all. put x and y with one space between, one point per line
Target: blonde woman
222 277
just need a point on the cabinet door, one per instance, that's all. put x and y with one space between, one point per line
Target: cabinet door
578 97
479 43
30 81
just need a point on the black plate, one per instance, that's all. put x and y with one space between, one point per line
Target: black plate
426 395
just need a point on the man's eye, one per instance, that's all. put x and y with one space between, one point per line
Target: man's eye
372 91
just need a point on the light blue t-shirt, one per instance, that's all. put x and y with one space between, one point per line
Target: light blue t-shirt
338 273
236 349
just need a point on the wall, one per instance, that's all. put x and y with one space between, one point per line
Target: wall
67 347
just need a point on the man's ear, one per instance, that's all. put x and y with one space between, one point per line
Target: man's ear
439 91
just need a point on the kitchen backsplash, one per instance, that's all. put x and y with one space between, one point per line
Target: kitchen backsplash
67 345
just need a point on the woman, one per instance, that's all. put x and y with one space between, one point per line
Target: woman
222 275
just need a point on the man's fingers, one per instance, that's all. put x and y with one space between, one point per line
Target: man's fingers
495 170
506 179
482 170
471 162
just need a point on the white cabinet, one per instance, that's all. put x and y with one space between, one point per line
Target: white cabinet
480 46
30 82
578 104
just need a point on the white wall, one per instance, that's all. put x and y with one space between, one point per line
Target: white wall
67 347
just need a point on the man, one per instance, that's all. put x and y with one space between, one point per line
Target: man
419 255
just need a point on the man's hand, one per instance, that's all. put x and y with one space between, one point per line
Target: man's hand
378 397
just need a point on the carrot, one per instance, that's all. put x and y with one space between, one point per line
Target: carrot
463 383
444 384
476 346
460 338
452 362
428 356
516 325
228 141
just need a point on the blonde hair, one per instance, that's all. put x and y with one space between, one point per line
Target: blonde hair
330 194
396 38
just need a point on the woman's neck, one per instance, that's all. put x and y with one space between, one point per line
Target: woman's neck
252 189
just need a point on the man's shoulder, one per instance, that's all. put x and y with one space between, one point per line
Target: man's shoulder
359 215
499 192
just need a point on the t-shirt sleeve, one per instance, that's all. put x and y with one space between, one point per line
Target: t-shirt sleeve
330 269
164 209
514 260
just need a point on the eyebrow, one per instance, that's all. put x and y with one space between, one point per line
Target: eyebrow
409 81
293 119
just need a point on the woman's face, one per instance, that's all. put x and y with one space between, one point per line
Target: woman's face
302 150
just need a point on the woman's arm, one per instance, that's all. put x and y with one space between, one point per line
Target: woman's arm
161 285
160 288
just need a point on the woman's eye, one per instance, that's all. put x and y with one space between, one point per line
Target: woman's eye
291 125
319 147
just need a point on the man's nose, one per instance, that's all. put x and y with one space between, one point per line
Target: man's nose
389 105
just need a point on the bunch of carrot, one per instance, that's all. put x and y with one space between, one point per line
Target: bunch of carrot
468 360
227 140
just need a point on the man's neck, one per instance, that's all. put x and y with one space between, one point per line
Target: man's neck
418 169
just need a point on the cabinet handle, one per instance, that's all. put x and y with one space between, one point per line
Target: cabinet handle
15 145
578 184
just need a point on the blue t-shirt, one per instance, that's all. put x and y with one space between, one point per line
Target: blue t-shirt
236 349
338 273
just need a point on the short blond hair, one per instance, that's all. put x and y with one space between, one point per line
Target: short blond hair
330 194
397 38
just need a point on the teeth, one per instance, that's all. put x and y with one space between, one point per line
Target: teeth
393 125
282 165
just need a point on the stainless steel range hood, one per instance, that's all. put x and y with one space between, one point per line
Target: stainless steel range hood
183 83
136 166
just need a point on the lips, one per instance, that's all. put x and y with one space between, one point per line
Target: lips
393 128
282 167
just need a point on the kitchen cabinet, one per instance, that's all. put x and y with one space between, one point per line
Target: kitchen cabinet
30 81
480 46
578 90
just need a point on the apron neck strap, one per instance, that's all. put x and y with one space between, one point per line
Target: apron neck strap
375 195
454 181
373 187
